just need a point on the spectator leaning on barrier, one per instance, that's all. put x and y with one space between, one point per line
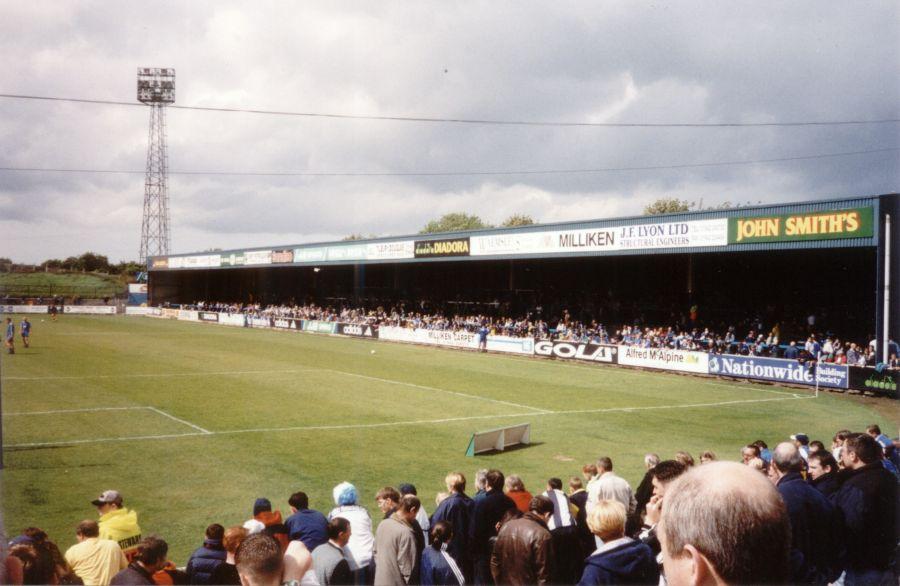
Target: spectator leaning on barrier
523 553
724 523
117 522
305 524
95 560
202 564
867 500
814 522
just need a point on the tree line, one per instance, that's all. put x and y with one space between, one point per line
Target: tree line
89 262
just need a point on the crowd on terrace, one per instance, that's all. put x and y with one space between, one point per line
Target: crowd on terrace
756 341
798 513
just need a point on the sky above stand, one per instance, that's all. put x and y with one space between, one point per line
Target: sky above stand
602 62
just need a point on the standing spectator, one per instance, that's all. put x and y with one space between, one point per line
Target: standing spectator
664 474
566 544
868 501
305 524
422 517
329 562
515 489
801 440
259 561
748 453
227 573
396 556
608 485
813 518
480 484
456 510
262 512
685 458
578 497
724 523
388 500
620 560
645 488
523 553
149 559
887 446
117 522
764 452
206 559
823 472
439 567
707 457
358 550
487 513
95 560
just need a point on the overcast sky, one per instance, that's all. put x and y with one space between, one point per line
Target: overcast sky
679 62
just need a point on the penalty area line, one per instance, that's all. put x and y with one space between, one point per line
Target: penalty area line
387 424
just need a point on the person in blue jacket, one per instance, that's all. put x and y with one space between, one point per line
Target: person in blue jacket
305 524
620 560
438 566
203 562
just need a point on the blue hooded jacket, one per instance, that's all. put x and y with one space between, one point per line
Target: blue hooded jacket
204 561
308 526
630 563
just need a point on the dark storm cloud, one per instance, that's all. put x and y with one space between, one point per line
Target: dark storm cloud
609 62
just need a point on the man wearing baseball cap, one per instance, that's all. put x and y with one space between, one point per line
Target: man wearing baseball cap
117 522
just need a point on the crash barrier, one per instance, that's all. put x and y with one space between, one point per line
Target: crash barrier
499 439
755 368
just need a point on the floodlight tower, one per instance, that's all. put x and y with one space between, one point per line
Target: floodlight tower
156 88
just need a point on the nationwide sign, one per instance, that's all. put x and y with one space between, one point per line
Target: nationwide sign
833 224
576 350
446 247
779 370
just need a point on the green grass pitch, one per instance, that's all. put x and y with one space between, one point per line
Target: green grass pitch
192 422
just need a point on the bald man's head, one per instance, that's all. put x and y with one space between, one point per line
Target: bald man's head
724 522
787 458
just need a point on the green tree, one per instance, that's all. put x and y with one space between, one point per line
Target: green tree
91 262
454 222
52 263
668 205
517 220
6 264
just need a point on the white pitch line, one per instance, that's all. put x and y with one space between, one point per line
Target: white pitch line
427 388
84 410
157 374
403 423
172 417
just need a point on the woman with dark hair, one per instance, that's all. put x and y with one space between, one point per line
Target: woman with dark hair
36 568
438 566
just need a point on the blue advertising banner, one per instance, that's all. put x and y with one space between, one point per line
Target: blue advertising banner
778 370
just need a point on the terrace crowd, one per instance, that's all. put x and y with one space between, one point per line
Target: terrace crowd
798 513
756 341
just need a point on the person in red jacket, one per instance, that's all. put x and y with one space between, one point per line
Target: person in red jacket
262 512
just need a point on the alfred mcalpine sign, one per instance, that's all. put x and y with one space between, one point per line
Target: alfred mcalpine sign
832 224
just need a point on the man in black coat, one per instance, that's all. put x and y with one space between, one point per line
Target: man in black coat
867 501
488 511
457 509
814 522
823 473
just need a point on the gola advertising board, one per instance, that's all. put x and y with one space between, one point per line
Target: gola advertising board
576 350
833 224
779 370
665 359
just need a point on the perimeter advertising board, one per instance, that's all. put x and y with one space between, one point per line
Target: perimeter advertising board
90 309
208 316
358 330
576 350
869 379
232 319
319 327
779 370
287 323
665 359
461 339
828 225
23 309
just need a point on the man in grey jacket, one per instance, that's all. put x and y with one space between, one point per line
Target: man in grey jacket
396 553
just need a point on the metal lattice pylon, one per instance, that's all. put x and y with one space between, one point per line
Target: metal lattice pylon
156 88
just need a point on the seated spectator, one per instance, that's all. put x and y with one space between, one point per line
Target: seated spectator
329 562
620 560
515 489
305 524
203 562
439 568
227 573
726 524
95 560
358 550
149 559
